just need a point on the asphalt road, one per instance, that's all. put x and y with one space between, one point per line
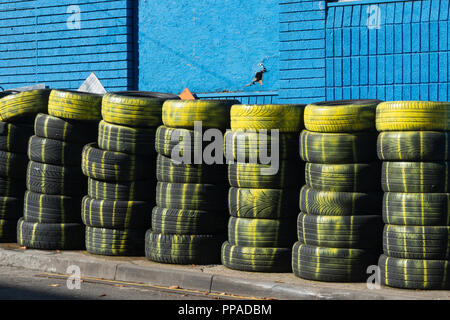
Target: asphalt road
24 284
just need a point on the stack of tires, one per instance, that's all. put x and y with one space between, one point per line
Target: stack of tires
120 171
17 113
262 202
414 144
340 225
189 220
55 183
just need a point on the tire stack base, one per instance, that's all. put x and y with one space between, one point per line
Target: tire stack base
414 142
339 227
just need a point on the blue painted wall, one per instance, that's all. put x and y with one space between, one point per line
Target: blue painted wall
37 46
208 46
402 55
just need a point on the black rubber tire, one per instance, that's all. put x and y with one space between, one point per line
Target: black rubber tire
115 242
413 146
76 105
256 259
356 177
184 113
263 203
55 180
174 221
415 242
246 145
167 139
50 236
115 214
134 108
189 196
183 249
261 233
42 208
55 152
8 231
351 232
169 171
338 148
13 165
413 177
341 116
12 187
290 174
50 127
115 166
415 274
329 203
11 208
14 137
23 104
141 190
331 264
113 137
416 209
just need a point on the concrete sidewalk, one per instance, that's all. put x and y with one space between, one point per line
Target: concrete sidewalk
211 279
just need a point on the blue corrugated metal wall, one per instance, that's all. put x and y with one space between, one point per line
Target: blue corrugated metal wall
36 46
390 50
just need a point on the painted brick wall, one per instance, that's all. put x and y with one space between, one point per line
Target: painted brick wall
404 57
37 46
302 51
390 50
208 46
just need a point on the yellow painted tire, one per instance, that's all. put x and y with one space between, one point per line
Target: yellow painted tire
169 171
413 116
23 104
331 203
134 108
249 175
423 177
256 259
14 137
75 105
357 232
263 203
244 146
182 249
417 242
211 113
284 117
415 273
44 208
191 196
356 177
115 214
115 166
331 264
50 236
136 190
413 146
335 148
179 221
113 137
341 116
115 242
416 209
261 233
